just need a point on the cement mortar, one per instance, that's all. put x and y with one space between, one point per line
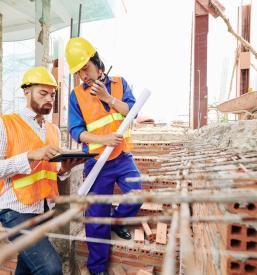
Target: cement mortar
239 134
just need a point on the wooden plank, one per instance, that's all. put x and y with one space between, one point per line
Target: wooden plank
148 232
139 236
118 270
246 102
161 235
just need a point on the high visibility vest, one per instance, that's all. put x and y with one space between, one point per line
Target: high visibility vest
101 122
42 181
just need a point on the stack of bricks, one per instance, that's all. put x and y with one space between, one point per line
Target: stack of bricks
146 163
147 159
146 258
144 253
154 148
230 237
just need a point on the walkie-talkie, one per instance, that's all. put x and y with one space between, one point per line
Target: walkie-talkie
102 79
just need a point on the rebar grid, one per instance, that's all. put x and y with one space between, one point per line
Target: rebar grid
215 169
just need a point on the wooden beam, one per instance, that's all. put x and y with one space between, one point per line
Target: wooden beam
243 42
200 10
205 5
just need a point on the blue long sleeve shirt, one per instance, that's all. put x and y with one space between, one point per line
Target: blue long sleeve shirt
77 125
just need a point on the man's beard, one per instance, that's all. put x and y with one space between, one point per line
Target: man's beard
43 110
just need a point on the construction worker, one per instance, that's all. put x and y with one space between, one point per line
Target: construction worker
28 182
96 109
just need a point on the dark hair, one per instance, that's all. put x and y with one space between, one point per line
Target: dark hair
25 86
95 59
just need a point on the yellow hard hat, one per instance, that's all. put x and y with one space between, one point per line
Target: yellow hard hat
78 52
38 75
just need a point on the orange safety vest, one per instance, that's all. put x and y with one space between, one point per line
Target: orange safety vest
101 122
42 182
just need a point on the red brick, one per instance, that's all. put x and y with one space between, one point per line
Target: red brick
124 255
136 264
150 260
10 264
114 259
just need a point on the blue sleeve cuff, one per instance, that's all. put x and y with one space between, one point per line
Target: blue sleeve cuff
128 96
76 134
130 104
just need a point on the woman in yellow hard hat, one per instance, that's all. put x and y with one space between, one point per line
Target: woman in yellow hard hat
96 110
28 181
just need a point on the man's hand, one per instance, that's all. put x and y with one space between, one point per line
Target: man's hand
99 89
112 139
44 153
68 164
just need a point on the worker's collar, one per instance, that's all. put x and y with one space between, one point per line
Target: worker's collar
33 115
30 113
108 80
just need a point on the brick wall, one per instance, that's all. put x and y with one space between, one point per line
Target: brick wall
232 237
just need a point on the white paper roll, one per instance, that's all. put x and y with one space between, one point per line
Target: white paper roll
90 179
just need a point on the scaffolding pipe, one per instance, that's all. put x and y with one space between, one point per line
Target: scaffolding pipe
33 221
10 249
169 263
222 196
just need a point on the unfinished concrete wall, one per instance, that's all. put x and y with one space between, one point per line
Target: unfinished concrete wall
239 134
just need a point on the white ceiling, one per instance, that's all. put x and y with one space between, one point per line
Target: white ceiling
19 15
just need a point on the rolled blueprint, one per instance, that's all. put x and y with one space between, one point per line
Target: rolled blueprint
90 179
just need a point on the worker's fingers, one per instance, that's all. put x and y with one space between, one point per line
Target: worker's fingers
94 89
99 83
53 151
50 154
47 156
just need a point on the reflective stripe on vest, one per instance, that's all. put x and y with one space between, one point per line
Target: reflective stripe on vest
94 146
104 121
43 174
